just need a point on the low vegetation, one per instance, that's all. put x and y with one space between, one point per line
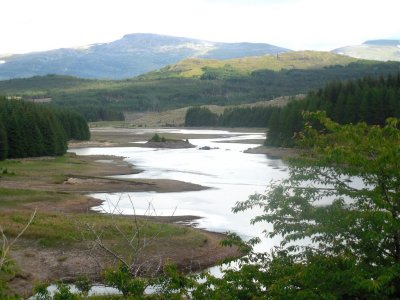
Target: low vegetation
52 229
158 139
65 239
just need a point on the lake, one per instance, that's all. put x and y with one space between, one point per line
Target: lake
230 174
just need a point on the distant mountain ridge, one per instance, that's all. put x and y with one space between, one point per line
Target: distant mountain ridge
382 50
383 42
132 55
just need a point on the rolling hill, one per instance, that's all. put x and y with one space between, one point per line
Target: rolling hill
127 57
382 50
238 67
203 82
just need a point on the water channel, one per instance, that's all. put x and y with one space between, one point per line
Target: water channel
230 174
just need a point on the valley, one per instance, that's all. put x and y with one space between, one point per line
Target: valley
192 142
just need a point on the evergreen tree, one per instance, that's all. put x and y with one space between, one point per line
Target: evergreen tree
3 142
27 129
369 99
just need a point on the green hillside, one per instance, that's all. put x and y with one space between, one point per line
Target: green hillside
238 81
198 68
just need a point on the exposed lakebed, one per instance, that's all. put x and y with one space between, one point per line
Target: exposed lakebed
230 174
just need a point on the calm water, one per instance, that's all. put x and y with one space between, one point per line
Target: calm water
231 175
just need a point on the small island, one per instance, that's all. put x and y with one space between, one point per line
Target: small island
158 141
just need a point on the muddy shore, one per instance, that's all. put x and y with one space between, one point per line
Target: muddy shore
50 264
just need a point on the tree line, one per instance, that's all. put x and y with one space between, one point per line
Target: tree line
107 100
256 116
370 99
29 130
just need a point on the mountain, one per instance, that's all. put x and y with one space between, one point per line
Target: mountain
130 56
383 50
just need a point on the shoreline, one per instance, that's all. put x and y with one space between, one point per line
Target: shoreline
49 264
274 152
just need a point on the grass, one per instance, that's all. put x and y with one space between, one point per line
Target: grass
62 230
55 229
15 198
48 169
47 166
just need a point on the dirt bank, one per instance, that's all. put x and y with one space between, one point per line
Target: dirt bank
44 264
63 183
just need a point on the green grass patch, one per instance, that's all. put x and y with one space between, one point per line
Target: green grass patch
50 169
58 229
15 198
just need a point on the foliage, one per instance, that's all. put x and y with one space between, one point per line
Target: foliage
256 116
3 142
338 216
369 99
200 116
338 211
63 292
74 125
7 266
173 284
28 130
224 72
83 284
122 279
157 139
40 292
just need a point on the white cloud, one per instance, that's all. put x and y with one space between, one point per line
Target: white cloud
28 25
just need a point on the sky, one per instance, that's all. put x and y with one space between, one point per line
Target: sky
38 25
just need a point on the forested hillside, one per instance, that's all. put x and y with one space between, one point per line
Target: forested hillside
256 116
107 100
28 129
371 100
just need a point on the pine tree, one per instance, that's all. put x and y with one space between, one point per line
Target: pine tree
3 142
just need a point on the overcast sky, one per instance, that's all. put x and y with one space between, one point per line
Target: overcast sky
35 25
